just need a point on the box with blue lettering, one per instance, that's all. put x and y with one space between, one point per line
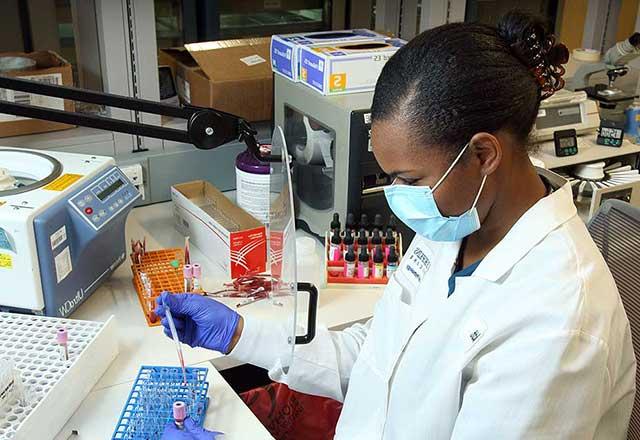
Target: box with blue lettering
346 67
285 49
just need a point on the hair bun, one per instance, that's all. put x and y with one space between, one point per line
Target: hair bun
531 43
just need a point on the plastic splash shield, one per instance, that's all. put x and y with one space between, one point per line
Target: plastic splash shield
298 300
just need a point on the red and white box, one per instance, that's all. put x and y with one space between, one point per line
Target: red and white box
228 235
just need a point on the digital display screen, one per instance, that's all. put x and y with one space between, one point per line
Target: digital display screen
614 133
102 195
567 142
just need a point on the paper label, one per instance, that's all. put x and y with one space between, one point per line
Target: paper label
63 182
63 264
367 118
58 237
32 99
252 60
184 89
6 262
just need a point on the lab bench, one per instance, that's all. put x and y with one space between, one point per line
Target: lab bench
142 345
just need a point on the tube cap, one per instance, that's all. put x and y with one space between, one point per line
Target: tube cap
179 411
197 270
187 271
62 336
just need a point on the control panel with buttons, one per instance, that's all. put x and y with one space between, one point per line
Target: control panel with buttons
105 198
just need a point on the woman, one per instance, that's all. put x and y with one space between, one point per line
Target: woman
502 321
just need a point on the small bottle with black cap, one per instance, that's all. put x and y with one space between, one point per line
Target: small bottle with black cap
351 223
378 223
335 247
378 263
363 240
348 241
335 223
389 240
376 238
364 222
350 263
393 224
363 263
392 261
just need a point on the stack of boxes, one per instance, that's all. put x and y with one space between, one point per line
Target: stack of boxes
333 62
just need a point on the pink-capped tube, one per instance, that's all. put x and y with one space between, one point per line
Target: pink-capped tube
187 271
62 338
179 413
196 283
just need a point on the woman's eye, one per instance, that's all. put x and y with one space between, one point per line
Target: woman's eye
406 181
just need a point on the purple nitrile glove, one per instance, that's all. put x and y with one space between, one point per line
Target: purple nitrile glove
200 322
190 432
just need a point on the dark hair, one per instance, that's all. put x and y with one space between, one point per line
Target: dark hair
459 79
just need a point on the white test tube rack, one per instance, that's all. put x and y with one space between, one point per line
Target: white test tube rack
54 387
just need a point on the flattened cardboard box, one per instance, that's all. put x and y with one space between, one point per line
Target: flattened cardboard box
229 236
233 76
50 68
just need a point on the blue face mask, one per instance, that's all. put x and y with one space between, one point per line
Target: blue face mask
417 208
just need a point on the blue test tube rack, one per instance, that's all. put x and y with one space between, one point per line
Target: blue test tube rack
149 406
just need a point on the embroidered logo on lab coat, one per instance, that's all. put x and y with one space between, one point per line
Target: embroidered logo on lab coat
418 264
472 332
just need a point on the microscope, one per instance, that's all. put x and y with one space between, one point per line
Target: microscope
612 100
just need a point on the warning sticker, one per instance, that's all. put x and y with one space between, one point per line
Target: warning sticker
63 264
63 182
6 262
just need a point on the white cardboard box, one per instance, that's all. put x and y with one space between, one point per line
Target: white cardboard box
224 232
285 49
346 68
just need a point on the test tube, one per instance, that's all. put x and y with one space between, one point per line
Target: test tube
196 283
179 413
62 337
188 275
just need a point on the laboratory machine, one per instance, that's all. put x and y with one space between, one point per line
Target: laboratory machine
62 219
334 169
566 132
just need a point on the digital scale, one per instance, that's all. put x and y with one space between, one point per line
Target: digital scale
62 219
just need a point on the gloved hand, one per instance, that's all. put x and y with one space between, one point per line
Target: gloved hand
190 432
200 321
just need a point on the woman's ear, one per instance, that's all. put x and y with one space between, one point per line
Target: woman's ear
488 151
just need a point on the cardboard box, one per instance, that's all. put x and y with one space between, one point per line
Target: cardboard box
346 68
285 49
233 76
50 68
234 240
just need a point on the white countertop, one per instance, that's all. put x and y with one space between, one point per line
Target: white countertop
143 345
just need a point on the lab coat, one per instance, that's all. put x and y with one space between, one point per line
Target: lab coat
534 345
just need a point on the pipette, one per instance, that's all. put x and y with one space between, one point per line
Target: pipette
174 335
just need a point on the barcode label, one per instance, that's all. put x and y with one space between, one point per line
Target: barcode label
58 237
33 99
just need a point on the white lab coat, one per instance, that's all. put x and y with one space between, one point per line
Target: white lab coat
535 344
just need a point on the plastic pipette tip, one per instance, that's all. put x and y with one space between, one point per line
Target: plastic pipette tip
62 336
179 411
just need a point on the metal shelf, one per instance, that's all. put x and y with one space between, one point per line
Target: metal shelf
588 151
